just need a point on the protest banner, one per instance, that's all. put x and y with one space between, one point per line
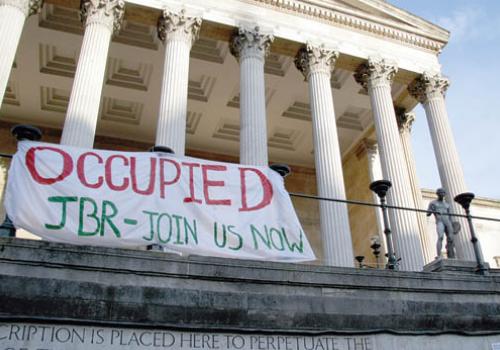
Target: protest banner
187 205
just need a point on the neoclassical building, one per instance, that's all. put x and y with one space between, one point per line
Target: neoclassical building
324 86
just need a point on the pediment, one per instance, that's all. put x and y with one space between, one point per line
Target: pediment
382 13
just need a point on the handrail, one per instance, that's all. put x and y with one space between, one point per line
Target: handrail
347 201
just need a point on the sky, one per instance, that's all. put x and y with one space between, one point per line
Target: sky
471 60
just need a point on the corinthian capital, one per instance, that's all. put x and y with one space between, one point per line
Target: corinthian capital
368 146
28 7
376 72
315 59
250 43
405 120
178 26
428 86
107 12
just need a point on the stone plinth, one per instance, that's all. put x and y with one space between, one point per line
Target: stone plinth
453 266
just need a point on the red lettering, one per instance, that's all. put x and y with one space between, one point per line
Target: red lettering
164 183
210 183
267 189
30 164
152 176
191 183
109 174
80 170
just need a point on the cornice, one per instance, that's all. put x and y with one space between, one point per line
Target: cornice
332 14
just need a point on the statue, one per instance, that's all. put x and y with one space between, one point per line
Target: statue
441 210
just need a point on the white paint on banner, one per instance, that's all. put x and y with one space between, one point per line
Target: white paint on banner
187 205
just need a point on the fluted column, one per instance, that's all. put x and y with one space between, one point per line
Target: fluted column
178 31
250 47
405 121
375 172
430 90
377 76
13 14
316 63
100 18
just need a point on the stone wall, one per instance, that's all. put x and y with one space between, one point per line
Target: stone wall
66 285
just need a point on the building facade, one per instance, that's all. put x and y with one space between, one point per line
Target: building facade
326 87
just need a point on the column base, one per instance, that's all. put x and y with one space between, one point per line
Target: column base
453 266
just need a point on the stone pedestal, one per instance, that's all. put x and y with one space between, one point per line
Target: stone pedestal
101 18
453 266
250 47
178 32
316 63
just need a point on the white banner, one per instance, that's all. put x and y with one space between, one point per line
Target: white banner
187 205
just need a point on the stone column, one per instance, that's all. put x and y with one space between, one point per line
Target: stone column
13 13
430 90
377 76
405 122
316 63
100 18
375 171
250 48
178 31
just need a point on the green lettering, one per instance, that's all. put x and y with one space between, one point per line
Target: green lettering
178 226
63 201
151 225
158 223
93 215
192 230
105 217
293 246
224 239
273 230
240 239
256 233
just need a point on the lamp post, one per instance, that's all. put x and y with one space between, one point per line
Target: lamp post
282 169
381 187
376 249
464 199
159 149
360 259
21 133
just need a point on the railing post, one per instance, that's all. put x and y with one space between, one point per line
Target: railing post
381 187
21 133
282 169
159 149
464 199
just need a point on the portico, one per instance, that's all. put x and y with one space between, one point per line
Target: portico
308 85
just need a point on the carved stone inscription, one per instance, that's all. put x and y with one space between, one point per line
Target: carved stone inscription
24 336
